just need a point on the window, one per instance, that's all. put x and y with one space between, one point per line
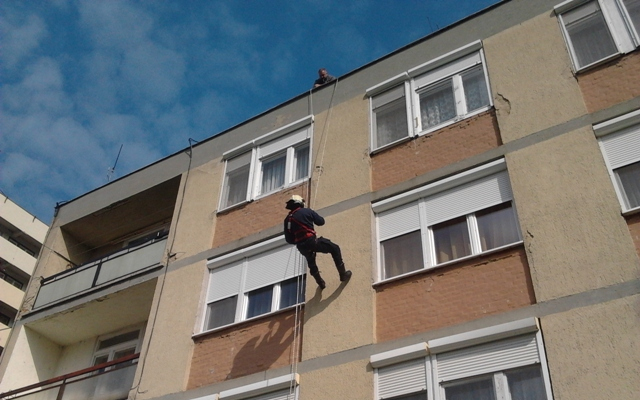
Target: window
11 280
278 388
512 368
272 162
261 279
115 347
389 117
461 216
599 29
620 145
433 95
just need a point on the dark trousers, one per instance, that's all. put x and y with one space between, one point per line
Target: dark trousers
314 245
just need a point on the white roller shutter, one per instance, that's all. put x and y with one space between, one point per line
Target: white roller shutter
388 96
487 358
448 70
238 162
224 281
283 142
402 378
279 395
622 148
273 266
400 220
473 196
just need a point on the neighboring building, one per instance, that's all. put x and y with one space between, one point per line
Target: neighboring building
483 184
21 236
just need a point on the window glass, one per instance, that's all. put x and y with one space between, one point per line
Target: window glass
236 186
633 8
437 104
288 295
391 122
497 226
589 34
259 301
475 89
125 337
629 178
476 390
526 384
302 162
221 312
273 172
452 239
402 254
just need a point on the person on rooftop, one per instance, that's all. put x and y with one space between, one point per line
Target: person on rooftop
323 78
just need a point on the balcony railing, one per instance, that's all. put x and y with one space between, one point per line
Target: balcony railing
108 269
108 381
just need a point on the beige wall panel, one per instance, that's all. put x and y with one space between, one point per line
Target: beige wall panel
594 352
592 248
341 153
48 264
347 381
341 316
531 79
34 359
193 224
76 357
166 365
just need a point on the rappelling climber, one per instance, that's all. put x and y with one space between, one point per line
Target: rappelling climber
298 230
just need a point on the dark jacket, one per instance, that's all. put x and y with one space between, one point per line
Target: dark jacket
304 216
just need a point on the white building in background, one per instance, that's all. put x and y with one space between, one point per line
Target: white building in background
21 236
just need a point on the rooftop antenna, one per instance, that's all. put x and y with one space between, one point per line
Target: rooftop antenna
111 170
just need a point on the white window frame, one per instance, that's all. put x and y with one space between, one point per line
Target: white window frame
619 140
111 350
283 383
617 21
495 172
424 356
283 140
240 264
416 80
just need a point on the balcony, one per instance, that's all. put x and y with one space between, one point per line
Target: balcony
16 256
100 273
108 381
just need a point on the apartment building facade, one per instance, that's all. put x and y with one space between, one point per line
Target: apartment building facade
482 183
21 237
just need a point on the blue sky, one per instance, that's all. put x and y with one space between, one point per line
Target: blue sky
81 78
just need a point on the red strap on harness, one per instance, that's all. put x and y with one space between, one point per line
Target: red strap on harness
301 234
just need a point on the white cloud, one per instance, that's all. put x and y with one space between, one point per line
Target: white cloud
19 40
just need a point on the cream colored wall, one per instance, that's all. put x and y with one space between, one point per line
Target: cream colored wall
531 79
341 316
76 357
575 237
566 255
341 142
194 219
22 220
353 380
594 352
177 300
37 362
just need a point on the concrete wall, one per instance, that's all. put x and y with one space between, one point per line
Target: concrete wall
38 362
533 86
593 351
345 381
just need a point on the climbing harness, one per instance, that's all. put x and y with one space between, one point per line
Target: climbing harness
302 234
